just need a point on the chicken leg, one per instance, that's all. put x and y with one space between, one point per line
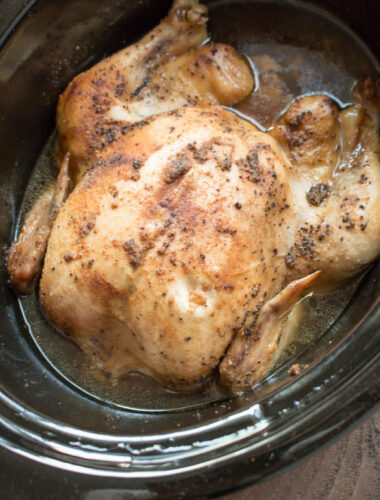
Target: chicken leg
335 182
157 74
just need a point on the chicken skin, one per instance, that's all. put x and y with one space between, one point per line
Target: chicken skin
147 269
331 229
190 235
164 71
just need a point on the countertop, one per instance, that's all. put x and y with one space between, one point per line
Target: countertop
348 469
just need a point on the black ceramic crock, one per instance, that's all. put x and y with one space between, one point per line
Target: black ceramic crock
55 442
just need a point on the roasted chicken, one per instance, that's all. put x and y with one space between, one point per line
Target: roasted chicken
190 235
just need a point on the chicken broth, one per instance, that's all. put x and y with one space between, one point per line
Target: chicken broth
294 50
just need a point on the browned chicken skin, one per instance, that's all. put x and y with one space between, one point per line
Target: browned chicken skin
163 71
191 236
155 75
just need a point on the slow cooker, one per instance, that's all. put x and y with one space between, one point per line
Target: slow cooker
58 440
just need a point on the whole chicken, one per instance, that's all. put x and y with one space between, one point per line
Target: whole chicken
191 236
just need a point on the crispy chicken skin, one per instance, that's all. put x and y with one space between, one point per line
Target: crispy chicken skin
191 236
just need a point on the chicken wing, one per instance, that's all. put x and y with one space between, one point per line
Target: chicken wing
26 255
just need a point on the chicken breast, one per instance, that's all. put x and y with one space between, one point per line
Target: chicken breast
147 275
